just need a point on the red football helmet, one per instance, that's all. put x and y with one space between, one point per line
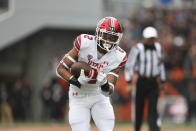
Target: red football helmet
108 33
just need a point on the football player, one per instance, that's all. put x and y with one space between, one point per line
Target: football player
89 95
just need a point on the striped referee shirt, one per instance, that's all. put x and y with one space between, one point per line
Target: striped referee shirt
146 61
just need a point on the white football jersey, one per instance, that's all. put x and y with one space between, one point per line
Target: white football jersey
86 47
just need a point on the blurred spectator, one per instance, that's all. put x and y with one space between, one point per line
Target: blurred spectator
190 75
46 96
191 101
26 94
190 63
5 108
54 100
21 99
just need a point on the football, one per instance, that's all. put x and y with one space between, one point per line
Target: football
77 66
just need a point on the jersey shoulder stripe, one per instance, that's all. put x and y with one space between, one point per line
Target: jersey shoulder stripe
121 54
77 43
123 62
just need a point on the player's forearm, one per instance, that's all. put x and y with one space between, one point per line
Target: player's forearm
112 82
111 88
63 72
66 75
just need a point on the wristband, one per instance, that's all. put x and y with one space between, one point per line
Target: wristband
74 81
70 58
64 64
112 85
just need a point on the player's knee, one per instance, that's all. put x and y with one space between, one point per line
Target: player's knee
74 120
106 125
79 123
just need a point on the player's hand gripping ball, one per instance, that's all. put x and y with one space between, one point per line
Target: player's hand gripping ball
101 77
77 66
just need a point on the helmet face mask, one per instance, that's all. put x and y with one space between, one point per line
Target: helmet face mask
108 33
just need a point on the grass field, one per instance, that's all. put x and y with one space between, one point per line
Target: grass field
62 127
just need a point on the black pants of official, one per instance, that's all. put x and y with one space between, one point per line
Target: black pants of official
146 88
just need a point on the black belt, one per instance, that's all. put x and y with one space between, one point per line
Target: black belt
147 78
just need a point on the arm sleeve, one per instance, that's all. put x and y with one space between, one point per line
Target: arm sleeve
131 61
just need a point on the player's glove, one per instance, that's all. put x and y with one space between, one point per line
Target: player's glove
82 78
105 89
101 77
74 81
102 80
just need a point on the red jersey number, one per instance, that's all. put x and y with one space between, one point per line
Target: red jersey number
88 37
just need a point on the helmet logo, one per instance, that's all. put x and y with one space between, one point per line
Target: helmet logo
112 24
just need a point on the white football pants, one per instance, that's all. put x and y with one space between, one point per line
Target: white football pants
83 106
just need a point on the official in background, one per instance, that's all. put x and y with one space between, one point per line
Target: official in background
146 59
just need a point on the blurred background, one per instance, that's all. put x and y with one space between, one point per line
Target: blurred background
34 36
